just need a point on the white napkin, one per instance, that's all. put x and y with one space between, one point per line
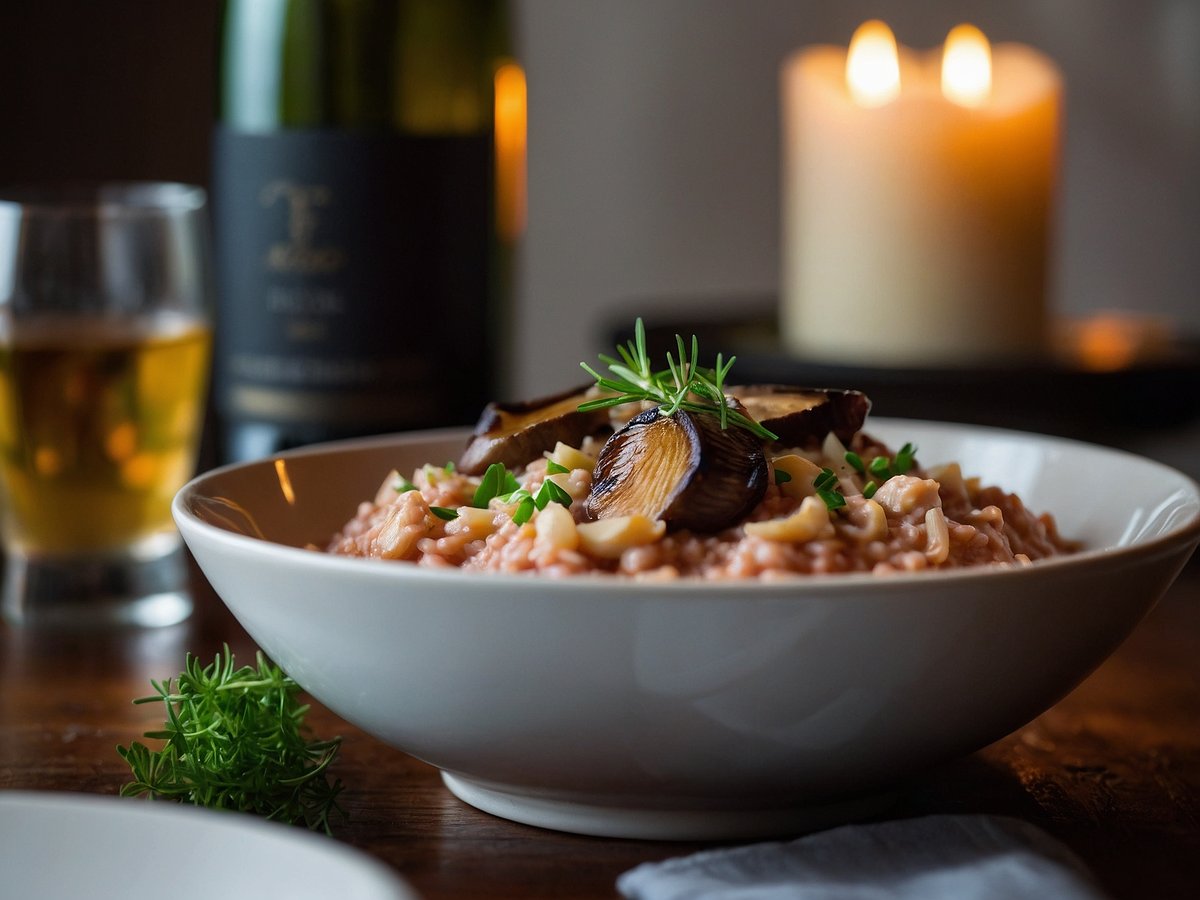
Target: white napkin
967 857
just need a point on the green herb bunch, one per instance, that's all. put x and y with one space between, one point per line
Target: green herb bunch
235 739
683 384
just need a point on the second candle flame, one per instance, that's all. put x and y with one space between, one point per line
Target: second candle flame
967 67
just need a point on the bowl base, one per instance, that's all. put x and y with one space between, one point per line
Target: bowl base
655 824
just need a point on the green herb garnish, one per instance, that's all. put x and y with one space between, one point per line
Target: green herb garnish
827 489
444 512
782 477
235 739
684 384
553 468
549 491
525 506
403 486
883 468
526 502
496 481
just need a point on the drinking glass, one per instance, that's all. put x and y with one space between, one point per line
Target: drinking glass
105 338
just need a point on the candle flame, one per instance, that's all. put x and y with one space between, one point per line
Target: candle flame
873 65
967 67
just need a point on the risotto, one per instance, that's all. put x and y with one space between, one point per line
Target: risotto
701 480
912 521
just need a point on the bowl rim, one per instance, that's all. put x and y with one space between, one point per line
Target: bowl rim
191 525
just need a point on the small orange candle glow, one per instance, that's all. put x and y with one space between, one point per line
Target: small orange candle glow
285 482
511 117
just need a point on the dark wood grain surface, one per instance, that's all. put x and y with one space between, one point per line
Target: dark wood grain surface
1113 770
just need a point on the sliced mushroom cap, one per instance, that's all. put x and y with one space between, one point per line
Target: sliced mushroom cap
682 469
515 433
803 416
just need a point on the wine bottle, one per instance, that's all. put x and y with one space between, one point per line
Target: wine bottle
357 198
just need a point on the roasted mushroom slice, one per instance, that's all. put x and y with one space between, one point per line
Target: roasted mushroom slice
683 469
803 416
515 433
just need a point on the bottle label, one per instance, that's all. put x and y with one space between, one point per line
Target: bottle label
353 278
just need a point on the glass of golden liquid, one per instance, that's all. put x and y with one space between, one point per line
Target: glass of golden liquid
105 338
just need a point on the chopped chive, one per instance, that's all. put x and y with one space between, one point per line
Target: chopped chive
403 486
881 468
856 462
904 459
869 490
444 512
833 500
825 480
782 477
553 468
557 493
524 510
549 491
490 485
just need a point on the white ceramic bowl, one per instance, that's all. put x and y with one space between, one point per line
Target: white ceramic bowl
689 709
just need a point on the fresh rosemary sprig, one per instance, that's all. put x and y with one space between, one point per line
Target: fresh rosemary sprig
235 739
683 384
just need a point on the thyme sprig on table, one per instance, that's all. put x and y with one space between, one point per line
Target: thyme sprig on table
235 739
683 385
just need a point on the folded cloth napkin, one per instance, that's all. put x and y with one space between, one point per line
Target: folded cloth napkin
967 857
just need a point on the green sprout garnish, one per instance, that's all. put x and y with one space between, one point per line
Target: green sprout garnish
444 512
829 488
553 468
403 486
496 481
526 502
683 385
883 468
235 739
525 505
782 477
548 492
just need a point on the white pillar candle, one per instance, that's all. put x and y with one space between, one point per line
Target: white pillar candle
916 216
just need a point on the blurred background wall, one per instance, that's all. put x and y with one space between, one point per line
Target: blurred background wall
654 140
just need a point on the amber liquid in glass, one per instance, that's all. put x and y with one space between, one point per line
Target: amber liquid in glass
99 427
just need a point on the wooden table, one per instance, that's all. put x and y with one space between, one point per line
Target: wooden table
1113 770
